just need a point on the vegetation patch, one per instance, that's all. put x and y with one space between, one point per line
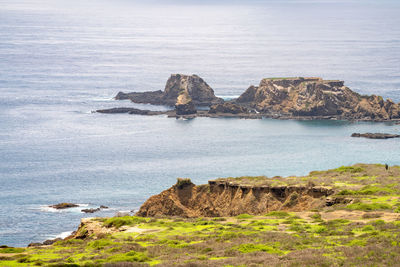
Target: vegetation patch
117 222
369 206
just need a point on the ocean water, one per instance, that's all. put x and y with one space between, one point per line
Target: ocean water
62 59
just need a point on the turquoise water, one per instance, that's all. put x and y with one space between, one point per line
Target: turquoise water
59 60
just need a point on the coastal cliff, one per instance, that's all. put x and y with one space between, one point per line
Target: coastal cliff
312 96
223 198
348 216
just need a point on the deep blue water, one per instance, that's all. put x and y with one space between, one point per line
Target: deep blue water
61 59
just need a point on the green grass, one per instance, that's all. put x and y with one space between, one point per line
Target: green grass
278 214
248 248
351 169
11 250
369 206
244 216
117 222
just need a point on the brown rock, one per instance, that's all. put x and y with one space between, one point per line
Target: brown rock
61 206
376 135
228 108
222 198
184 104
315 97
199 91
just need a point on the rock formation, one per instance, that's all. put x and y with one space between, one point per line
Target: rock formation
184 104
316 97
130 111
376 135
279 98
200 92
228 108
61 206
223 198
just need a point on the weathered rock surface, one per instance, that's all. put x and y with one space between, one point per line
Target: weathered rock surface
199 91
93 210
184 104
316 97
376 135
228 108
61 206
45 243
223 198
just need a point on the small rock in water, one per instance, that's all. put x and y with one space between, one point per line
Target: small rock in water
376 135
94 210
61 206
90 210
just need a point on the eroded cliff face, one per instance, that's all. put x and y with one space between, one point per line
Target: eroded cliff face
316 97
224 198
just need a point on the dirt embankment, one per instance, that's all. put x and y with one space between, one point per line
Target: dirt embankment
221 198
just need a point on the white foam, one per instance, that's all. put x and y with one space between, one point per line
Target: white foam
64 234
46 208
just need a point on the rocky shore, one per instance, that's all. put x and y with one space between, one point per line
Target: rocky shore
297 98
348 216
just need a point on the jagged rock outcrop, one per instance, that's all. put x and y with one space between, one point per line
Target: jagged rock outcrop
224 198
316 97
184 104
199 91
376 135
228 108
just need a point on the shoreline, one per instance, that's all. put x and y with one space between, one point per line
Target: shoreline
228 215
206 114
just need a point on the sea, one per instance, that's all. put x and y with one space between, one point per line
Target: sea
62 59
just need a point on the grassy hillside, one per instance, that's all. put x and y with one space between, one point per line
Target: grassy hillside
361 230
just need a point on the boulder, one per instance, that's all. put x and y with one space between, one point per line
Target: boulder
184 104
90 210
61 206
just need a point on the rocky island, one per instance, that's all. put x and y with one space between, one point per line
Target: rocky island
280 98
348 216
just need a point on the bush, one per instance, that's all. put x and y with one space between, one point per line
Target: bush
182 182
